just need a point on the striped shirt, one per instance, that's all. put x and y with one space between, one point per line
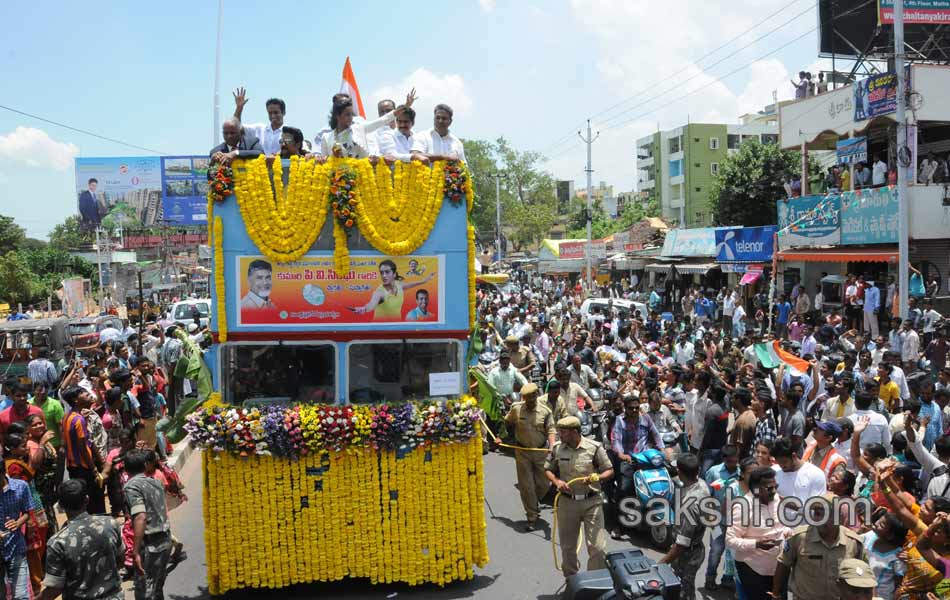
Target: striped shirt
42 370
15 499
76 441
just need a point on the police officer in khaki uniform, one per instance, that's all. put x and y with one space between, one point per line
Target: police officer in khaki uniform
580 503
533 425
521 356
808 564
856 580
687 553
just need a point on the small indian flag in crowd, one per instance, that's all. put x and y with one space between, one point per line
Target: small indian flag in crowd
772 355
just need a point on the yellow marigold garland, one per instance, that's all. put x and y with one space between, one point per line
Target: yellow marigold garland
471 275
283 224
219 289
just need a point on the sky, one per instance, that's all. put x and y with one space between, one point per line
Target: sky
532 71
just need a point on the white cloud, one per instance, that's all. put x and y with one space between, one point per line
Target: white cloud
35 148
487 5
431 89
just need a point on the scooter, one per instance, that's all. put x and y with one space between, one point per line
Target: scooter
650 508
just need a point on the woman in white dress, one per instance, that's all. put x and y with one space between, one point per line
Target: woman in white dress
348 135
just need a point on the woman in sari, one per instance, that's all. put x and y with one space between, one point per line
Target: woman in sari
43 462
16 458
350 137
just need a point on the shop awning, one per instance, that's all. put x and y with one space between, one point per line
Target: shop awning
886 254
750 277
683 268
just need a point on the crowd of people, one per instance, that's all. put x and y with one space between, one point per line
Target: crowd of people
390 137
846 412
80 433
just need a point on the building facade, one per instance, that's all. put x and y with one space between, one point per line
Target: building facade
677 167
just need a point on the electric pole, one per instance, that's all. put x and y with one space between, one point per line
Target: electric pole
498 177
217 78
590 191
903 266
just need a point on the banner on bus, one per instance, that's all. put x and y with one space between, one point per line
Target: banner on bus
397 290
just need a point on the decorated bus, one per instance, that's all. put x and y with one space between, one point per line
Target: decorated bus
339 441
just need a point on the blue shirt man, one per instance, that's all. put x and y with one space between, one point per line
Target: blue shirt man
15 505
654 300
784 309
702 307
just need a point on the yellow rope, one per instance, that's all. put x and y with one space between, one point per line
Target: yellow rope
504 445
593 478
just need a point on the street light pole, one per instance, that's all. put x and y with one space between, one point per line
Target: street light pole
590 190
217 78
498 177
904 226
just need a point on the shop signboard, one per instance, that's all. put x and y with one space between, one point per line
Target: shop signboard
875 96
309 292
852 150
574 250
869 216
809 221
745 244
916 12
690 242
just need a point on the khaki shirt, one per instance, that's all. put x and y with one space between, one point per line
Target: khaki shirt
814 564
568 463
532 427
567 402
690 528
522 357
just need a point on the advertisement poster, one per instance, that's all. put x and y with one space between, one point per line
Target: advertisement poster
133 192
185 189
745 244
119 192
916 12
405 290
875 96
815 220
869 216
853 150
690 242
568 250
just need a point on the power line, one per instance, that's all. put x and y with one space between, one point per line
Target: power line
707 55
606 123
78 130
560 141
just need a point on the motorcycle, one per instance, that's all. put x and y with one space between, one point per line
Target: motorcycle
653 498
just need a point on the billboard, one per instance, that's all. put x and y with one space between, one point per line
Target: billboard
690 242
132 192
745 244
875 96
809 221
869 216
403 290
185 189
921 12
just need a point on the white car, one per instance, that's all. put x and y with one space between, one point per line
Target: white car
183 312
625 309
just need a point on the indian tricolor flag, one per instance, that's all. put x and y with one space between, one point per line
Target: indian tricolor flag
350 88
771 356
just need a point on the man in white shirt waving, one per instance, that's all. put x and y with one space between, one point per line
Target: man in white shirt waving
397 145
267 133
437 143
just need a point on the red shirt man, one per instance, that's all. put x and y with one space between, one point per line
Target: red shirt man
20 409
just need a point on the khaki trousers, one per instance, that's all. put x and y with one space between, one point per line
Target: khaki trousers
571 514
870 323
532 483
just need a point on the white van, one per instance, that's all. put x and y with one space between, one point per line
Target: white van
625 309
183 312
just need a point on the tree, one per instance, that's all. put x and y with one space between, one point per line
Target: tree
69 235
12 236
749 182
16 279
480 158
636 212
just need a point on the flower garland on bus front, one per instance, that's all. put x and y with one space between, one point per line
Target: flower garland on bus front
219 289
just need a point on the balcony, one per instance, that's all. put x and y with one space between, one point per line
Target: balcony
642 163
677 180
646 185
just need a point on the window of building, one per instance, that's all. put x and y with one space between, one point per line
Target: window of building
714 168
696 140
699 189
675 144
700 218
714 143
732 141
396 371
769 138
676 167
295 373
697 165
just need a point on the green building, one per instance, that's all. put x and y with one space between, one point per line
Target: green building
677 167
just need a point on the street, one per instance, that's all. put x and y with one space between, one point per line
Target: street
521 566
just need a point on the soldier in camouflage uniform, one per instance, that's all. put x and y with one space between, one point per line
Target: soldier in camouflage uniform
145 502
687 553
83 558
